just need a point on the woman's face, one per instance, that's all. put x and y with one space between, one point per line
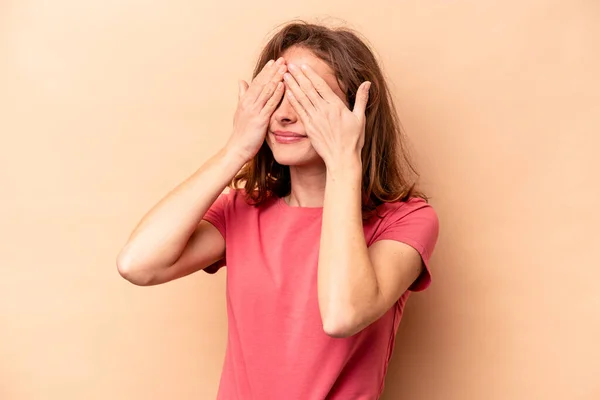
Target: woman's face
286 136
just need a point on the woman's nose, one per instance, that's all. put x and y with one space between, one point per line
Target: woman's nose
285 112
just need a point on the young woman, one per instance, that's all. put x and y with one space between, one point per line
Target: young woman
323 233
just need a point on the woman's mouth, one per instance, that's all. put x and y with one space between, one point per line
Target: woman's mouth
286 137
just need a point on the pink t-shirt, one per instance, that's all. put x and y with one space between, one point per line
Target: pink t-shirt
276 347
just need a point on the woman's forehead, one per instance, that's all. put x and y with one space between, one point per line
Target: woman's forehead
299 55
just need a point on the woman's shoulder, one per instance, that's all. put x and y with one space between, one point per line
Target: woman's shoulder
408 205
239 199
414 207
413 220
234 196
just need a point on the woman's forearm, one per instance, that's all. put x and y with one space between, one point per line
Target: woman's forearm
162 234
346 279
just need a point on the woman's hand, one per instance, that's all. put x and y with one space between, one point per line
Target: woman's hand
335 132
256 104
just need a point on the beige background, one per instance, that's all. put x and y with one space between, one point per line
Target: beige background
106 105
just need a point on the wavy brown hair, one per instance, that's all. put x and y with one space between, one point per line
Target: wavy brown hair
387 172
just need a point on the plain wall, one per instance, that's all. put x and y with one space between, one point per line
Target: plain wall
106 105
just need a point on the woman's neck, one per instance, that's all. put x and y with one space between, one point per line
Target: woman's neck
308 186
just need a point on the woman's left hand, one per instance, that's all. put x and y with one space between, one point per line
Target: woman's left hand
335 132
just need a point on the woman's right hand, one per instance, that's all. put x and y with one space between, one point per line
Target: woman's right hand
256 104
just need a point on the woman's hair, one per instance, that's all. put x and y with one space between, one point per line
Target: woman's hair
387 172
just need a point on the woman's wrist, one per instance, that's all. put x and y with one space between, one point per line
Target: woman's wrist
235 154
231 158
349 166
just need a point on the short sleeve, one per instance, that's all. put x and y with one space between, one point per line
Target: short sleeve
216 216
416 224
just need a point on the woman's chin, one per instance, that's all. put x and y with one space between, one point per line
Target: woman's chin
296 159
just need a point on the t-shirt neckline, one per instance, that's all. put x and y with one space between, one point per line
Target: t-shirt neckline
309 210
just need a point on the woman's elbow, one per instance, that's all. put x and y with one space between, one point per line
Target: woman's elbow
341 324
131 271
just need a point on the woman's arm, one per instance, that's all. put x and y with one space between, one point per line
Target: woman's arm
356 284
160 239
171 240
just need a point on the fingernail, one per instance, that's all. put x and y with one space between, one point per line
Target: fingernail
279 60
282 69
286 76
368 86
270 63
291 66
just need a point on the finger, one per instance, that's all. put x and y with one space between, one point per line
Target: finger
256 85
242 88
270 72
306 85
266 93
278 77
362 98
276 72
297 106
275 99
320 85
298 93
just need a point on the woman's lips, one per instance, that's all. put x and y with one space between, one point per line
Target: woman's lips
287 137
